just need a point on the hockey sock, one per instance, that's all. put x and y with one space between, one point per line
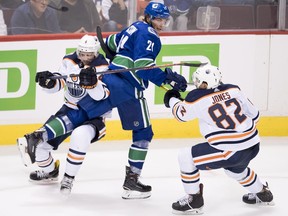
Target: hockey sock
248 179
190 175
79 142
136 158
57 127
44 158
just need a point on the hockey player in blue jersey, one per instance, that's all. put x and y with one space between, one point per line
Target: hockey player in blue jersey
227 120
136 46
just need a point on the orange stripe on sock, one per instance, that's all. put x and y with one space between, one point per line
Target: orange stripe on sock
190 177
75 158
249 179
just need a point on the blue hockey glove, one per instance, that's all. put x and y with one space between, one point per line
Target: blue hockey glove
169 94
177 81
88 78
43 78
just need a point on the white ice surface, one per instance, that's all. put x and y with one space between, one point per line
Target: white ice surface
98 186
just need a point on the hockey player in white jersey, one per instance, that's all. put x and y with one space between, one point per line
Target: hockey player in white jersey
86 55
227 121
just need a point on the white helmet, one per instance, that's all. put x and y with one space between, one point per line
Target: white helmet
88 43
209 74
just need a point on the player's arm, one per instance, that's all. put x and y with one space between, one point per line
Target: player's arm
248 107
149 46
43 78
95 88
49 85
181 110
99 92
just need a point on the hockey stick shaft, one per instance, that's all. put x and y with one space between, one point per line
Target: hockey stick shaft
164 87
134 69
167 89
102 43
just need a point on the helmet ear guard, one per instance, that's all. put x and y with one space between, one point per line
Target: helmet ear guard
209 74
88 43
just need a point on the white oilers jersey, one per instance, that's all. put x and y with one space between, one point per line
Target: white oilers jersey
227 119
73 91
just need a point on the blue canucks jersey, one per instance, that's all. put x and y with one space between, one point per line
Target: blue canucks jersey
137 46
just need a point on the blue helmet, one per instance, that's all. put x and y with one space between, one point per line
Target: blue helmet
157 10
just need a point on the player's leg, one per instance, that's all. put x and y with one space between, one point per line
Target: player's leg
134 116
192 202
80 140
49 169
199 157
259 193
133 188
57 125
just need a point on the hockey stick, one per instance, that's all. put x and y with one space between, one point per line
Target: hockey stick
134 69
102 43
167 89
164 87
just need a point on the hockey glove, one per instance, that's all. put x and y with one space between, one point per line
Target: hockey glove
176 81
169 94
88 78
43 78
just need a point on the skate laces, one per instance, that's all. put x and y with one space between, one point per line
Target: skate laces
185 200
41 174
253 196
67 182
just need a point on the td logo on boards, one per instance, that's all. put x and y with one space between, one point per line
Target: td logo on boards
17 80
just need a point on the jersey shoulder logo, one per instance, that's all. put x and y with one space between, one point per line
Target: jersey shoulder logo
132 29
182 110
152 31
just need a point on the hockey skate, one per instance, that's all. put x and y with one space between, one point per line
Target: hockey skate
41 177
191 204
27 146
66 185
133 188
264 197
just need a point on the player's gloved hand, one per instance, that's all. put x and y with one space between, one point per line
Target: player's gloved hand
88 78
177 81
169 94
43 78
